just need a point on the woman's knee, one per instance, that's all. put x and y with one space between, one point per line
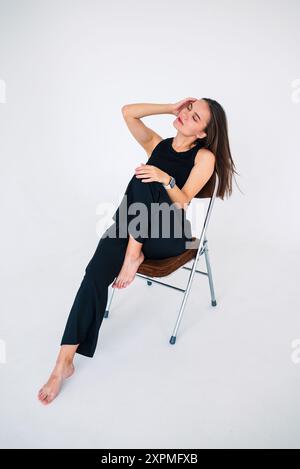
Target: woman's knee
153 187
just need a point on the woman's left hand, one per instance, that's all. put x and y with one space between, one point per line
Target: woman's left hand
151 173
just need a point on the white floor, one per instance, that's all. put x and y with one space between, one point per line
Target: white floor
229 382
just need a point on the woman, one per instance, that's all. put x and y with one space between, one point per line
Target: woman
177 169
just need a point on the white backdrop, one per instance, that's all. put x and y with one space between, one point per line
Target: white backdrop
66 69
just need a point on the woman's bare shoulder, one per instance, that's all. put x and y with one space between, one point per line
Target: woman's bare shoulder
203 154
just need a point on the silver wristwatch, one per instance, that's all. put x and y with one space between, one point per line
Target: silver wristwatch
171 183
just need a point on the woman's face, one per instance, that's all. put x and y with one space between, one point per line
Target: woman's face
193 119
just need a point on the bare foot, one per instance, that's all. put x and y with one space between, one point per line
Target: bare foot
51 389
129 268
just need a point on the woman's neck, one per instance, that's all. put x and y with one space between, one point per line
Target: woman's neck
183 144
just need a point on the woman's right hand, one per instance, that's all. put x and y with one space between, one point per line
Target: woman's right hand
176 107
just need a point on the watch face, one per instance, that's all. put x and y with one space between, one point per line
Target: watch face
172 182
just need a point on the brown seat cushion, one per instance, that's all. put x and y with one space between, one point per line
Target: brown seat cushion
164 267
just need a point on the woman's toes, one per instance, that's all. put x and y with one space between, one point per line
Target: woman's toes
42 396
49 398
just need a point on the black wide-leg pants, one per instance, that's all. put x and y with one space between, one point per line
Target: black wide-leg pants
90 302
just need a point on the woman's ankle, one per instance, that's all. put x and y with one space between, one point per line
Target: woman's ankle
66 354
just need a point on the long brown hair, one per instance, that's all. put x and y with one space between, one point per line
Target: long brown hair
217 141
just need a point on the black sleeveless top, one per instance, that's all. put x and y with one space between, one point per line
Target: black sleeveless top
176 163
